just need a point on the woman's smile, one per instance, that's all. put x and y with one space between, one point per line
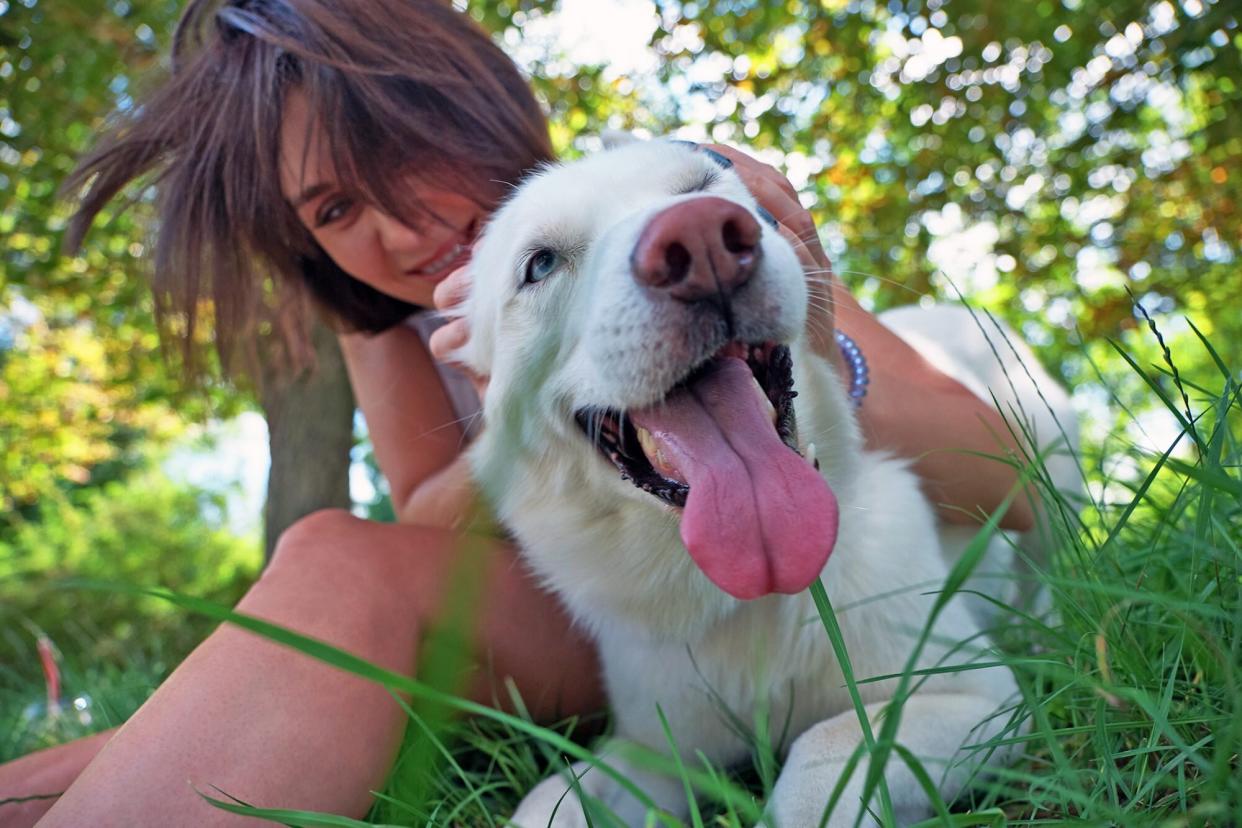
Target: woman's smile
451 255
403 259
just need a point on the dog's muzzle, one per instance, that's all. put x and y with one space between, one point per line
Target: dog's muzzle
756 516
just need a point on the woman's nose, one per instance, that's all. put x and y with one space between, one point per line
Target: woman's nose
394 235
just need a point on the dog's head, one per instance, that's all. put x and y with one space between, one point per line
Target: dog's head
635 311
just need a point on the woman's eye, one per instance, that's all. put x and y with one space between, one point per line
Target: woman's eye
541 265
332 211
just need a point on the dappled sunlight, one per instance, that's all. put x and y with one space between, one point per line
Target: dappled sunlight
1071 166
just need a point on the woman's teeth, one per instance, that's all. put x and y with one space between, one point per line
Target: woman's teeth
432 268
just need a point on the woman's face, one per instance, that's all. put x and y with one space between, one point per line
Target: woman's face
403 261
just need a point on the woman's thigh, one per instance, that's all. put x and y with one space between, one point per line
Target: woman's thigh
240 701
472 585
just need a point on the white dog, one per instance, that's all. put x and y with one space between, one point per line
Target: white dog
642 327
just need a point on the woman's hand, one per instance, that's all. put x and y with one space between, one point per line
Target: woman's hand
455 333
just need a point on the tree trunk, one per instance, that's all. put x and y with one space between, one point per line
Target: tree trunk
310 422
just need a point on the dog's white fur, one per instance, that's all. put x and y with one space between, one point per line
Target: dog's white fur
670 640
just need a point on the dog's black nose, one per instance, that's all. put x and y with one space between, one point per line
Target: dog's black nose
701 249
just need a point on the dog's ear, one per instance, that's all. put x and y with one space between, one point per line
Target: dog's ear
614 138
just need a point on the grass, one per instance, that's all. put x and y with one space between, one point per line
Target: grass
1131 685
95 696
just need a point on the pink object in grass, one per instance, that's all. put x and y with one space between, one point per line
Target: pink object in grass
51 674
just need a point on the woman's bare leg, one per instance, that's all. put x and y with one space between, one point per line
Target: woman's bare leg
275 728
32 782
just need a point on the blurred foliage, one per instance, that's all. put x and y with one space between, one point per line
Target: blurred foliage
143 531
1044 160
66 421
63 68
82 392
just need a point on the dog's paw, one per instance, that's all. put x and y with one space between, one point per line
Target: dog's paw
555 803
812 769
552 803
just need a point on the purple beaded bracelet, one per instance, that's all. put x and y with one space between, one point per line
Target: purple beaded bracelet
860 377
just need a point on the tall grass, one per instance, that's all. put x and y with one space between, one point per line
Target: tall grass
1131 675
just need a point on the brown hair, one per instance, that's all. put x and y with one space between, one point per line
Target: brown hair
410 85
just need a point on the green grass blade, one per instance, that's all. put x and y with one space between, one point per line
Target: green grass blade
287 816
829 619
696 818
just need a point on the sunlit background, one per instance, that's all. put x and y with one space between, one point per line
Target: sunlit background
1059 162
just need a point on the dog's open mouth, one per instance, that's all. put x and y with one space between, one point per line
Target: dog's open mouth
722 446
637 454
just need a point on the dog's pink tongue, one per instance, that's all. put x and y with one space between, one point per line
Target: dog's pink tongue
758 518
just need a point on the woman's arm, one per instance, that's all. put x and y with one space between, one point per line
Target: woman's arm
412 424
30 785
916 411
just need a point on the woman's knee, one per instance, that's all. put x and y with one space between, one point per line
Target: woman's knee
353 582
317 533
338 549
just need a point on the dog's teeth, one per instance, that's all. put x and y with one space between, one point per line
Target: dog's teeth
658 461
649 445
810 455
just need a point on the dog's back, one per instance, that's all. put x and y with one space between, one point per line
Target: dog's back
989 358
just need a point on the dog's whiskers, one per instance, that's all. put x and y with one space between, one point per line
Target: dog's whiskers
595 427
621 430
888 280
465 421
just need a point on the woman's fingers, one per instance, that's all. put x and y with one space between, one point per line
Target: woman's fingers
750 168
444 344
453 290
447 339
455 333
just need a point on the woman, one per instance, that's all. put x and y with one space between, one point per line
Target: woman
349 151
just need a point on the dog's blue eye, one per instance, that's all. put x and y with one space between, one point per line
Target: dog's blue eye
541 265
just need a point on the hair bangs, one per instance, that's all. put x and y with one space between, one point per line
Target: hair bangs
410 96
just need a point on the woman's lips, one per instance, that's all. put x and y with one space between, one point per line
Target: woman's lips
449 259
457 256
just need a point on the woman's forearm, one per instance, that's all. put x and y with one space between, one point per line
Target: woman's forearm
29 786
409 415
916 411
444 500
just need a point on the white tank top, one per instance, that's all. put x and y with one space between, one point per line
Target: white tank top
461 394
